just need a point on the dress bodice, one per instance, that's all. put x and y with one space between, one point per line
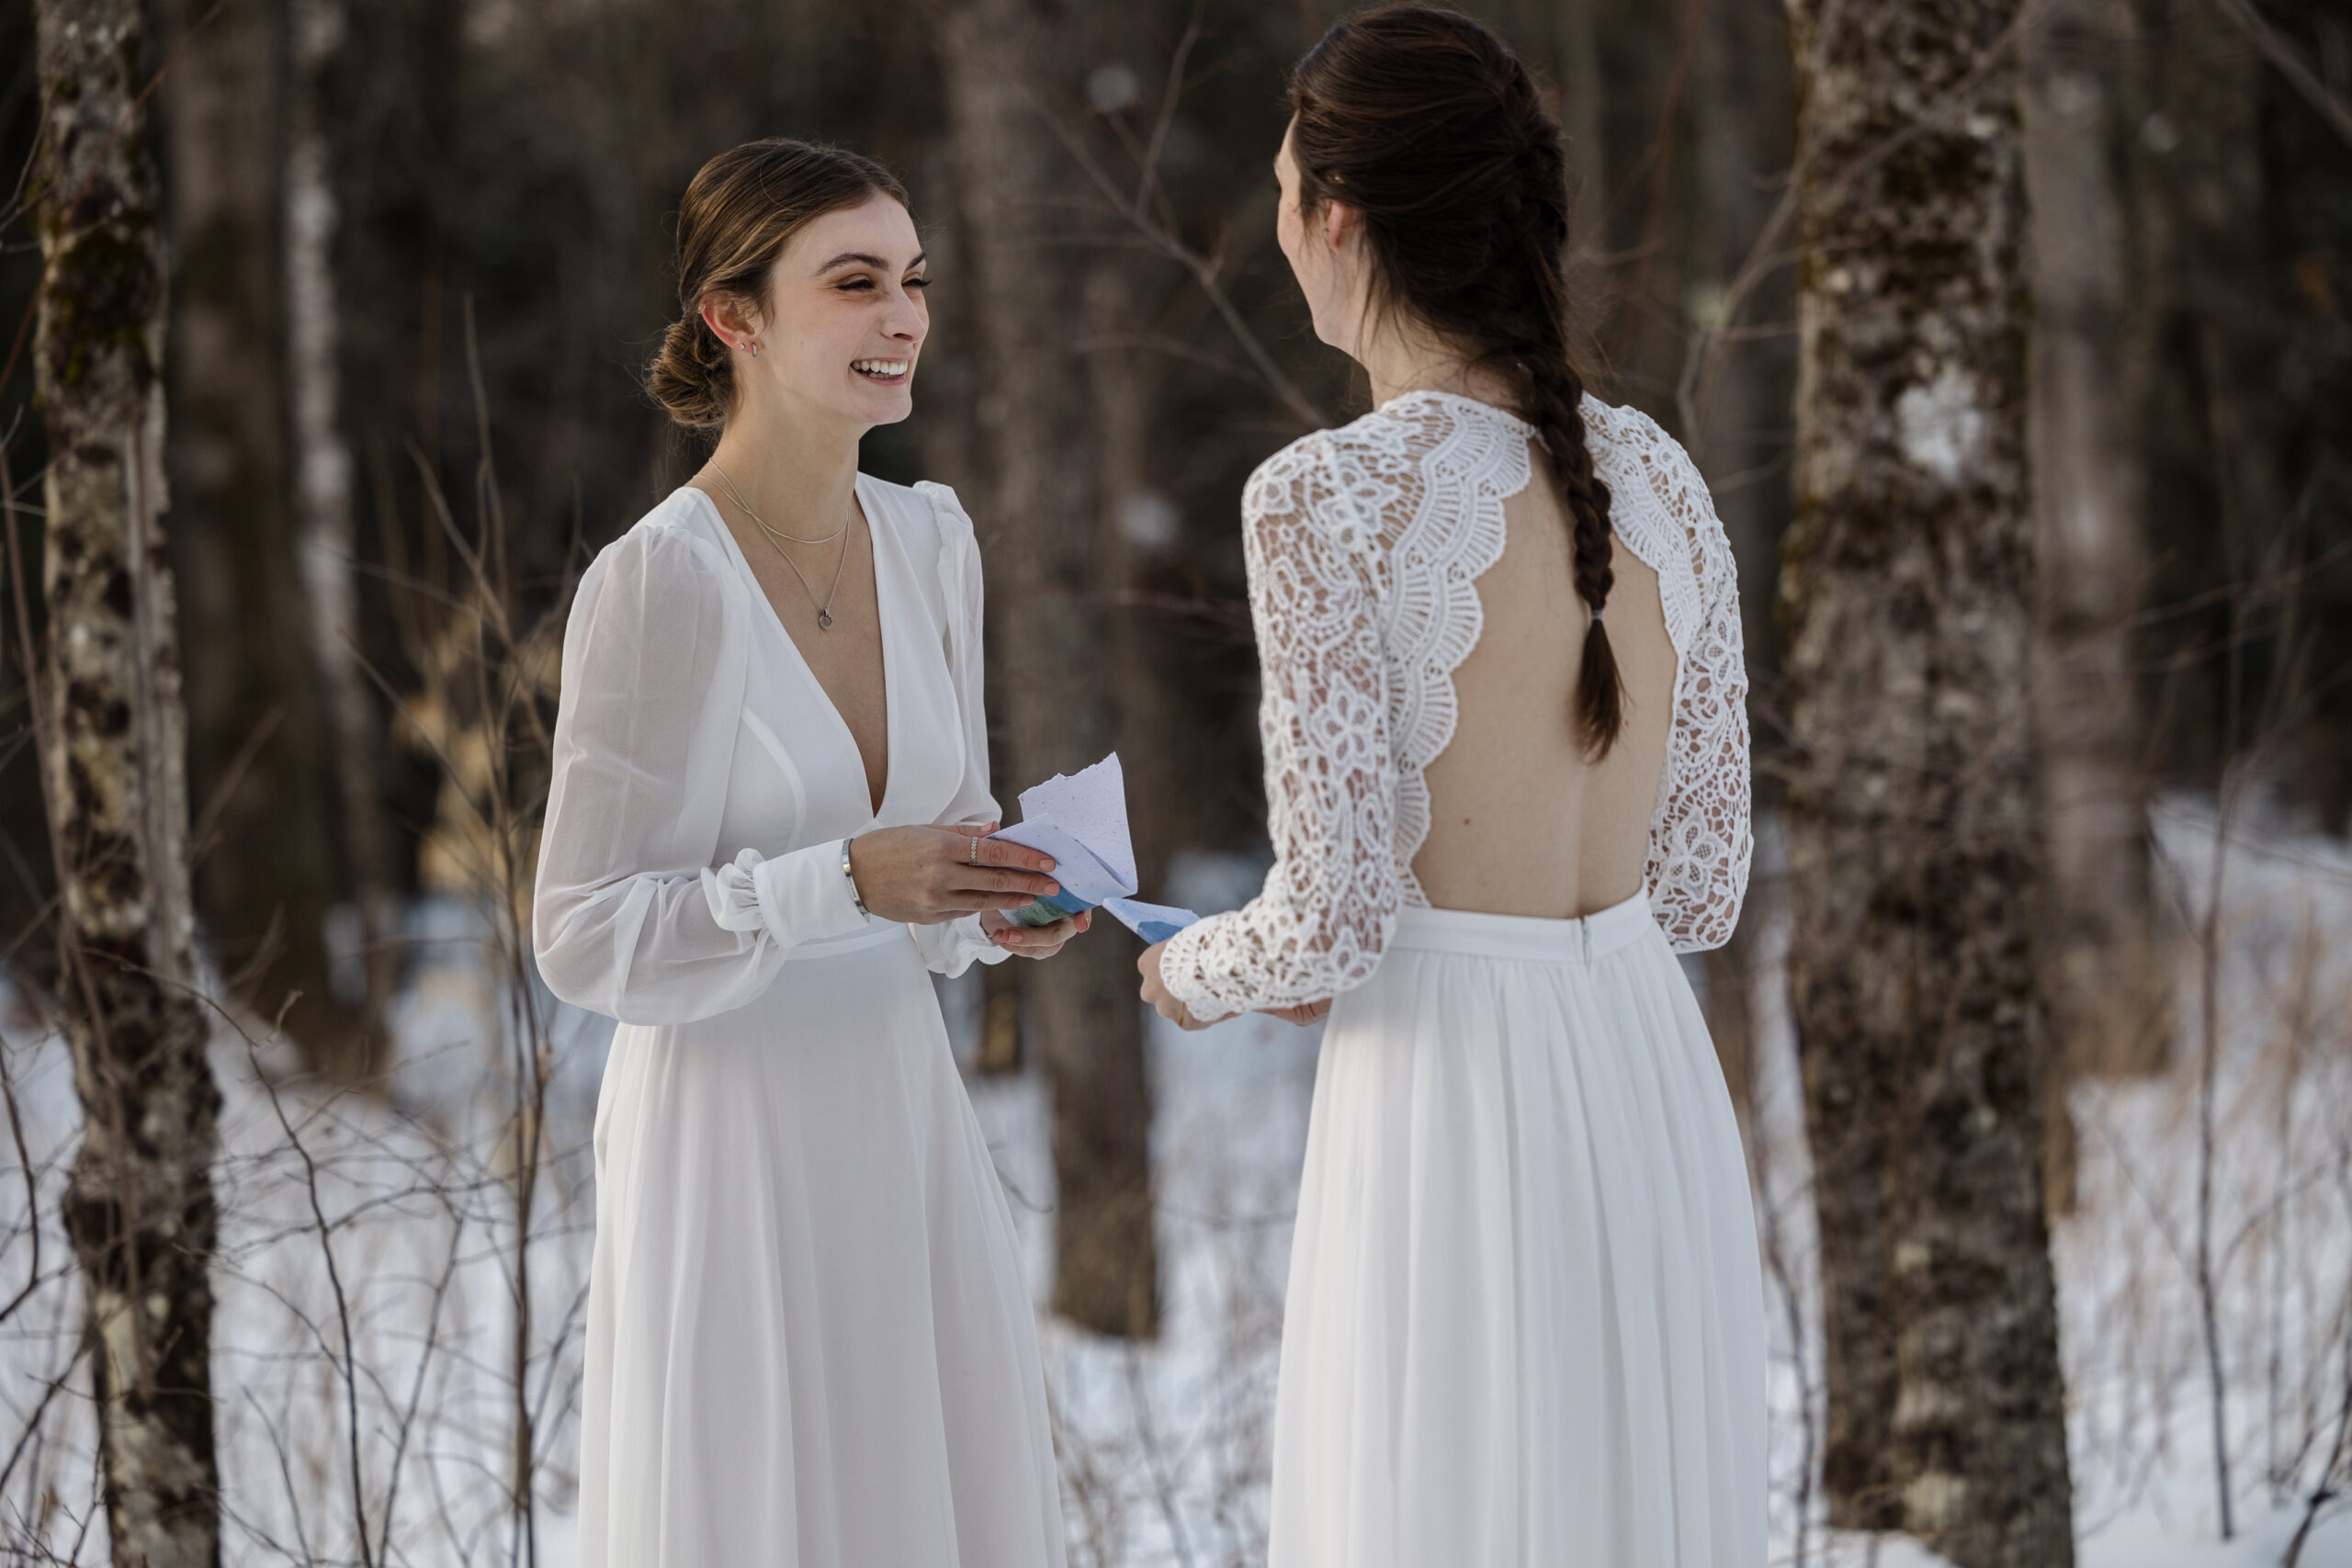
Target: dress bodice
703 780
1364 546
782 796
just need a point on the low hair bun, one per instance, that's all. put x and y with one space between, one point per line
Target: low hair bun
688 378
739 211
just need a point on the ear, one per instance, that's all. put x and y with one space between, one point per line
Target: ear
730 320
1340 223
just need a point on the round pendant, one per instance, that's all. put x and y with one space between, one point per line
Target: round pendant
824 620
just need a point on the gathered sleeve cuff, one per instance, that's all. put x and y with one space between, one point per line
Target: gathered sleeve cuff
795 898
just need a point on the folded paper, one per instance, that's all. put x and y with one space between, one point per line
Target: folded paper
1081 819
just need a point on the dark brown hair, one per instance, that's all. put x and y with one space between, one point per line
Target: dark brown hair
740 210
1427 125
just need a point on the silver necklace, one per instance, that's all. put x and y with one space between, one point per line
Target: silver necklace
824 610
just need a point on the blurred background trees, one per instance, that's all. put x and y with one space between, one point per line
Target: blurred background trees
417 251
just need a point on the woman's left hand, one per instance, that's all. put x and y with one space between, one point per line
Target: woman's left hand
1155 991
1034 941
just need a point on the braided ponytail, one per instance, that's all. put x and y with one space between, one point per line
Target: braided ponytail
1440 139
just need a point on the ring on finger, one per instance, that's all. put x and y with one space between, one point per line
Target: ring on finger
974 857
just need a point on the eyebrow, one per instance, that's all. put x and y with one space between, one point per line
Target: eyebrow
876 263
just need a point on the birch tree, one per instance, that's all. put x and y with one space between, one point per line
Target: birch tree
140 1207
1907 591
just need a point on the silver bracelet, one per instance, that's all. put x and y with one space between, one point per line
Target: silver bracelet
852 880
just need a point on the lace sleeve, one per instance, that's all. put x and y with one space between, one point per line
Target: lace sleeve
1700 840
1330 901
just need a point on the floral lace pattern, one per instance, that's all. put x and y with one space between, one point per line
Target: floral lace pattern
1364 546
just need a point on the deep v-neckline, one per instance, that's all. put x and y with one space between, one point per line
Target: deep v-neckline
884 621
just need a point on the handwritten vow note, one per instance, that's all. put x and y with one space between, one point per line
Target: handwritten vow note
1081 819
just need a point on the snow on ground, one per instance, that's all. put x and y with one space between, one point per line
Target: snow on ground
1165 1447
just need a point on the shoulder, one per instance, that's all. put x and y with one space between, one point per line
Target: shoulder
926 517
677 546
1632 451
1660 505
1336 483
935 532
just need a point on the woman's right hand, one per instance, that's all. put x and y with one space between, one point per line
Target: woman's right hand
924 876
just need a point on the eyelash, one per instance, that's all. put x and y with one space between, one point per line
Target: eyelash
867 283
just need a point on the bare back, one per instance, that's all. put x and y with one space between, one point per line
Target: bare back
1420 642
1522 822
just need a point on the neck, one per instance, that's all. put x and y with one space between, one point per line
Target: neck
1402 356
796 474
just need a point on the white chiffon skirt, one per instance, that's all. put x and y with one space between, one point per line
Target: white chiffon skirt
1525 1324
809 1342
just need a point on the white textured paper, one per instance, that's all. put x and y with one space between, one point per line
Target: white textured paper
1081 819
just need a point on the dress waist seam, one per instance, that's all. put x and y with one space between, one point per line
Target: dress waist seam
1525 937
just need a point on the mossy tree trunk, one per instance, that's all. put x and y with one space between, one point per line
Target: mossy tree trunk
140 1207
1044 538
1908 591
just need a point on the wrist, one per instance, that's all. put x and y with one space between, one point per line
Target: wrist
849 874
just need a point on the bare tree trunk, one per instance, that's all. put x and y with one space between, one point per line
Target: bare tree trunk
1737 423
139 1206
1913 816
2109 999
1042 532
265 874
325 542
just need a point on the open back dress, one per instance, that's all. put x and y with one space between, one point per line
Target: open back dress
1524 1324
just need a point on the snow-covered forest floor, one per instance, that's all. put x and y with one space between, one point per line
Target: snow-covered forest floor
378 1400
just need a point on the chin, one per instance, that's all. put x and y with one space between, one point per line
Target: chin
882 405
890 407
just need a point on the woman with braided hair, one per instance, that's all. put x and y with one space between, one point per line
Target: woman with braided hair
1507 781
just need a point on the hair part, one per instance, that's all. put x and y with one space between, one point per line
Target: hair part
739 211
1432 130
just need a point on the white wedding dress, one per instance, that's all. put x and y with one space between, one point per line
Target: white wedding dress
809 1342
1524 1324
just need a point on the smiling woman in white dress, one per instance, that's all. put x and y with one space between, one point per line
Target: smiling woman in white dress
1524 1326
809 1342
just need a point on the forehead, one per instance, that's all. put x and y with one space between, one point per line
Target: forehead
877 227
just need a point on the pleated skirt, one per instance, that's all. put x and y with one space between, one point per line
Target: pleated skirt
1524 1325
809 1341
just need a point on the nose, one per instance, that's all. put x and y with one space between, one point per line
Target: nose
907 320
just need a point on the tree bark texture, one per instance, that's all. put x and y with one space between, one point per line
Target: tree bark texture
1907 591
139 1206
1042 534
265 866
2105 987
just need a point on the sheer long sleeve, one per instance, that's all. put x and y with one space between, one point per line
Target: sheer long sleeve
631 918
950 947
1330 904
1700 841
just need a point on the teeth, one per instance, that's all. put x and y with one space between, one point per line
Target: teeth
879 366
